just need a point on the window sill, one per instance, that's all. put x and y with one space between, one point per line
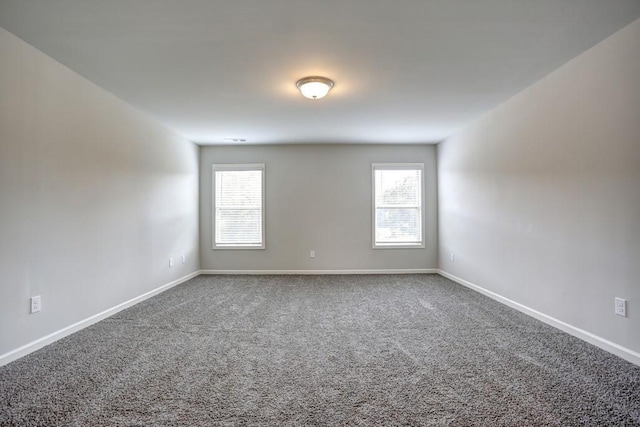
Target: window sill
399 246
234 247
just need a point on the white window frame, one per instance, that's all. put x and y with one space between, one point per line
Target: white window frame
237 167
421 205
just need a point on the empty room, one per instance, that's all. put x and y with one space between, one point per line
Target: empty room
319 213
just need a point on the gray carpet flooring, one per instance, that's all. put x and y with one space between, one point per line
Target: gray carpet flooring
320 351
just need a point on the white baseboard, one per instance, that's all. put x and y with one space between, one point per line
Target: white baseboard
301 272
600 342
55 336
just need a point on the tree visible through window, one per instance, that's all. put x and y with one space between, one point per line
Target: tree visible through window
238 206
398 205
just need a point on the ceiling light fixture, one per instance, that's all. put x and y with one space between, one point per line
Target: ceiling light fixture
314 87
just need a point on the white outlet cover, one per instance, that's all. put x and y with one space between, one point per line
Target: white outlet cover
621 307
36 304
170 262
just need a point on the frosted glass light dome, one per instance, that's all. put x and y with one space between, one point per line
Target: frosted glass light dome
314 87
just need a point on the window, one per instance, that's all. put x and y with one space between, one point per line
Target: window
238 206
398 212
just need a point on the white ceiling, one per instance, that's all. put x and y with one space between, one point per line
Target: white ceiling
406 71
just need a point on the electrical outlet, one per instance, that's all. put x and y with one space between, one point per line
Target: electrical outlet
453 257
184 259
621 307
36 304
170 262
312 253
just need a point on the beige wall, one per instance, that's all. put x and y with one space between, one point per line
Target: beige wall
94 198
318 197
540 199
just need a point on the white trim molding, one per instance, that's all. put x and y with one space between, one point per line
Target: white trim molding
227 167
420 205
611 347
604 344
55 336
319 272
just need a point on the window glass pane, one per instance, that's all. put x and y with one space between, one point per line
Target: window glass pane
238 188
398 225
397 187
238 226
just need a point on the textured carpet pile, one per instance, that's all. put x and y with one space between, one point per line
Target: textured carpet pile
320 350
